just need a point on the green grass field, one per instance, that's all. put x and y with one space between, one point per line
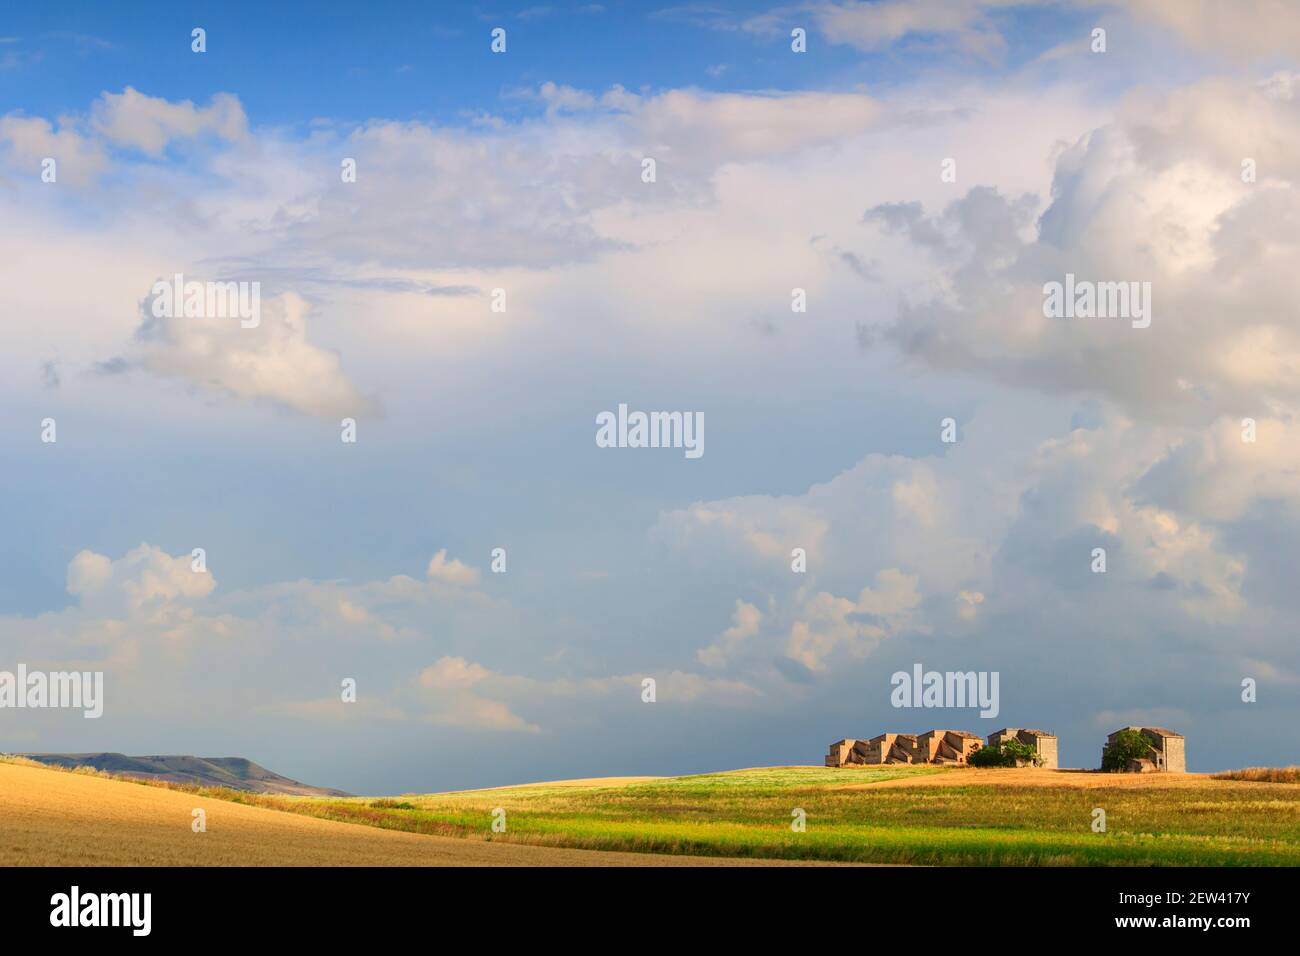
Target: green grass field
748 813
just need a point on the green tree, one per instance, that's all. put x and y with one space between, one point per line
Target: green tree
1127 745
1010 753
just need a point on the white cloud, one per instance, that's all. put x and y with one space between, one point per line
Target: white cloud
827 626
469 712
29 140
463 694
734 127
530 193
142 577
130 119
784 524
167 639
1241 29
874 26
968 604
745 623
978 535
1156 197
452 673
453 702
453 571
273 361
149 123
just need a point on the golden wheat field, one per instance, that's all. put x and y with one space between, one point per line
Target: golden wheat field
53 818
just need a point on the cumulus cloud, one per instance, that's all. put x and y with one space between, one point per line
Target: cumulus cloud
1218 475
960 545
1088 494
924 542
167 638
273 361
144 576
81 144
758 527
913 511
453 673
745 623
827 626
1154 197
29 140
453 571
148 123
454 703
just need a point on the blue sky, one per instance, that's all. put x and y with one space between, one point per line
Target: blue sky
820 171
295 62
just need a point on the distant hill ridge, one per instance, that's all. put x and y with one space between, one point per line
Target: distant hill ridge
237 773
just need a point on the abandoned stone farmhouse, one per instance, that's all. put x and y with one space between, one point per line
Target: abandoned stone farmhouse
942 747
1044 744
1167 755
954 748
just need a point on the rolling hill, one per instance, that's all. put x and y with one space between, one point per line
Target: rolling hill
235 773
